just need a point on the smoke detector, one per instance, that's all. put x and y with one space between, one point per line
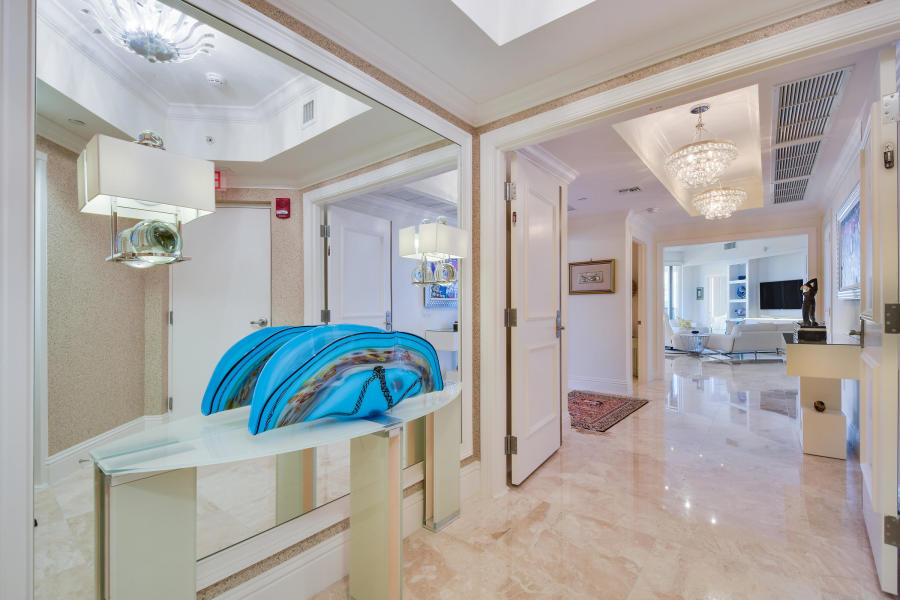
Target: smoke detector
215 80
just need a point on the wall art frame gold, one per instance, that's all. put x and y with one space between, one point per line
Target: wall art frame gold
592 277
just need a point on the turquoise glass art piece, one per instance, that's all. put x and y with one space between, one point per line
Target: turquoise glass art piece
234 377
342 371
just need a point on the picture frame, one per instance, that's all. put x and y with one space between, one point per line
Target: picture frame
849 250
593 277
442 296
699 293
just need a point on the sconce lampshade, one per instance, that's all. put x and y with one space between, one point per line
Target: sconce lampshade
144 182
433 242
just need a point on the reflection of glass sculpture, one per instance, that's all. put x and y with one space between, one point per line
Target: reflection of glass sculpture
235 375
294 374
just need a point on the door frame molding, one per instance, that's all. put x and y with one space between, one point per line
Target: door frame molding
410 169
880 20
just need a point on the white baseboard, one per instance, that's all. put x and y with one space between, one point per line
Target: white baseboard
600 384
307 574
64 463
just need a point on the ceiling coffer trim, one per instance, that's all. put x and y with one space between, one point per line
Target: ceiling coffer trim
802 119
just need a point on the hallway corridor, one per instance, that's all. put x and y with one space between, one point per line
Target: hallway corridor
703 493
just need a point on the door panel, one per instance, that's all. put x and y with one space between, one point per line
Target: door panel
880 367
215 295
535 401
359 268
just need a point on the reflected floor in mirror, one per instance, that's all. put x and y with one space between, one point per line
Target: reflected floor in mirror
703 493
234 502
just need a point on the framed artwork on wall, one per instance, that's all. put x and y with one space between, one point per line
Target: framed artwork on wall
699 293
442 296
849 255
593 277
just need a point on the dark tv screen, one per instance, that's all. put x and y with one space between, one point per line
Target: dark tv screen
780 294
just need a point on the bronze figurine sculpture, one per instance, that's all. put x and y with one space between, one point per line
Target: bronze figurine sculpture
809 289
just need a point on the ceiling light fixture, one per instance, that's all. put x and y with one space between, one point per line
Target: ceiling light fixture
719 203
702 161
151 29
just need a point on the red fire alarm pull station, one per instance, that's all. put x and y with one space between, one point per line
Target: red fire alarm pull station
283 208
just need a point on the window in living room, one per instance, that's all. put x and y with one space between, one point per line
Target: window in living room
671 290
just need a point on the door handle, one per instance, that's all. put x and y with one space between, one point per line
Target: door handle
559 325
260 322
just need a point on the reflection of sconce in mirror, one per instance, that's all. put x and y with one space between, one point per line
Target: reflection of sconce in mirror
143 181
433 242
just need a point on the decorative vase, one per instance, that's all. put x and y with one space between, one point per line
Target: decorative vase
819 406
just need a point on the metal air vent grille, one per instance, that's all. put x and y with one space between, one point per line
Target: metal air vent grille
789 191
804 106
796 161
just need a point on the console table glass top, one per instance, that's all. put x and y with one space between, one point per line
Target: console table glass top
223 437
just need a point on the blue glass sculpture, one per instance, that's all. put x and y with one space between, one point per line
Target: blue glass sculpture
234 377
346 371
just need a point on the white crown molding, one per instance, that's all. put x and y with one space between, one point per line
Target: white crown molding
551 162
58 134
343 29
403 170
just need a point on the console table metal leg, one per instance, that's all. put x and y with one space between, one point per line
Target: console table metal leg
442 442
376 523
146 535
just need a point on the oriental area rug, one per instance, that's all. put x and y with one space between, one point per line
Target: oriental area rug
591 411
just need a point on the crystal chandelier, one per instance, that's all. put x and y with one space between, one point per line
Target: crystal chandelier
151 29
719 203
702 161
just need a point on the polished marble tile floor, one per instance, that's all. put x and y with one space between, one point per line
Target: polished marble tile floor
702 494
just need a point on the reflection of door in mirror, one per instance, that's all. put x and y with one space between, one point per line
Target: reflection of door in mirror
273 127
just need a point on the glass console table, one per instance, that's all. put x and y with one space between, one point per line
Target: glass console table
145 492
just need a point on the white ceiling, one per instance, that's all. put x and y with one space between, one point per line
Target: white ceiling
606 163
436 49
506 20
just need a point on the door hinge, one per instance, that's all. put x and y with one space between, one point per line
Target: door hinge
509 191
890 108
325 315
171 317
511 445
510 317
892 531
892 318
325 231
169 403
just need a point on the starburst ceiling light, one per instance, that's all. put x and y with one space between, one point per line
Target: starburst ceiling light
719 203
151 29
702 161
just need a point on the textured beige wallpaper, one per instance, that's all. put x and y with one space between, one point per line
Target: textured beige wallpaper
95 320
287 250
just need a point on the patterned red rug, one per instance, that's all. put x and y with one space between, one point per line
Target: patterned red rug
592 411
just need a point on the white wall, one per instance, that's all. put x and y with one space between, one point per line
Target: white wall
599 346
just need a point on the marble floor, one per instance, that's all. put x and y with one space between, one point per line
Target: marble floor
702 494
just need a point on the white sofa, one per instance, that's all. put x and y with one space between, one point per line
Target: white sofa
680 338
751 337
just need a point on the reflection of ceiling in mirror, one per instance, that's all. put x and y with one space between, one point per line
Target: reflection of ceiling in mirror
429 197
258 113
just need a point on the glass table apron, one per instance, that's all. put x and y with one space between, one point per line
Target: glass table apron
224 437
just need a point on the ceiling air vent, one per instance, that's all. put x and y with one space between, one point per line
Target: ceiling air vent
789 191
804 106
804 109
730 245
309 111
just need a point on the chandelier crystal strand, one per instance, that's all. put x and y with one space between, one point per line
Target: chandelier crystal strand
701 162
151 29
719 203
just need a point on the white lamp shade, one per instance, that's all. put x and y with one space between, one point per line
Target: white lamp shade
433 242
144 182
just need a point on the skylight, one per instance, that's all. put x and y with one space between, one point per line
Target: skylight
506 20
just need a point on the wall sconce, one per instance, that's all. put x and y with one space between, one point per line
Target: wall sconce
435 242
141 180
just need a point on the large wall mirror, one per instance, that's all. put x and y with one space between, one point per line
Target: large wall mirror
120 349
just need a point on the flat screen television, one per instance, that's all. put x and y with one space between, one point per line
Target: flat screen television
780 294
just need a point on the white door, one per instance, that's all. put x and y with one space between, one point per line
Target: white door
536 398
359 268
879 357
215 296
